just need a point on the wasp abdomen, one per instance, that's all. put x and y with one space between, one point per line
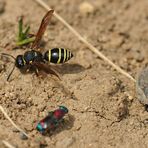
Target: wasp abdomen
58 55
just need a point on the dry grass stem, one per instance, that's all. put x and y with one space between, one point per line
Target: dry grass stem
10 120
89 45
7 144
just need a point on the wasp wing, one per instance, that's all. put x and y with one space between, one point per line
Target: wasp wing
46 68
42 28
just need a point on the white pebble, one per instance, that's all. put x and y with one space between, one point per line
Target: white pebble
86 8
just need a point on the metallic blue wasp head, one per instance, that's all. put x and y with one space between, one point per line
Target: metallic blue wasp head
63 108
19 62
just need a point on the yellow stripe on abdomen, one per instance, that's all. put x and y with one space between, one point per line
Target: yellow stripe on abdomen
67 55
59 60
49 55
64 55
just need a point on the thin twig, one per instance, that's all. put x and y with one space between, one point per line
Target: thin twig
7 144
7 117
89 45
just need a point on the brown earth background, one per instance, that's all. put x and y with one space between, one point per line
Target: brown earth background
103 108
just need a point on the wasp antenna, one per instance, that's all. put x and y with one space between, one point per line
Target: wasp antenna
10 73
5 54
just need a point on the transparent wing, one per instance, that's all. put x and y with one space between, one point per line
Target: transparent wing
42 28
46 68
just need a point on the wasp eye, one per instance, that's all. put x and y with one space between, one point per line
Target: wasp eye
19 61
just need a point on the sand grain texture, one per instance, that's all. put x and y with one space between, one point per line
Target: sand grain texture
103 108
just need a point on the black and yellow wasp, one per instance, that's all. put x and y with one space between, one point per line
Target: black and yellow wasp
34 59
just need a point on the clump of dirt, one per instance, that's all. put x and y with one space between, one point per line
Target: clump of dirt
103 107
2 6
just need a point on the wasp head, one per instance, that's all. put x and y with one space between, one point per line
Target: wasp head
19 62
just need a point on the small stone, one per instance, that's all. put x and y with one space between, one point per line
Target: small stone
139 57
15 130
86 8
130 98
23 136
102 39
78 127
86 108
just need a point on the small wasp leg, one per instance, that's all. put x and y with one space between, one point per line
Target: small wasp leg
39 73
54 72
46 68
36 70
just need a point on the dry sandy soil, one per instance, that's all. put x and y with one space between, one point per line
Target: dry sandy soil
103 108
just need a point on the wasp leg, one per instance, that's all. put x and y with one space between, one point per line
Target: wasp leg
36 71
46 68
54 72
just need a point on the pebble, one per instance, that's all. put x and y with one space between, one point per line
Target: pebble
78 127
139 57
86 8
130 98
23 136
15 130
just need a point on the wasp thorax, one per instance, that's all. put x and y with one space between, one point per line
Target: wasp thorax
33 56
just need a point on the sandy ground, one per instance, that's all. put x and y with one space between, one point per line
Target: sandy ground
103 108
